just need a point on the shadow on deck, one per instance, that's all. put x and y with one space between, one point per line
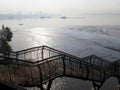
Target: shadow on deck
39 65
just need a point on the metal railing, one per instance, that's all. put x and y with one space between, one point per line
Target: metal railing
35 66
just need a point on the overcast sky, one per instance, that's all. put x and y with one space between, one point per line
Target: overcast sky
68 7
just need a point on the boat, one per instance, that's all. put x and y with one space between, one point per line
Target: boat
20 24
63 17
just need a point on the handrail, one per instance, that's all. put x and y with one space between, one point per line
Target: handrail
9 60
29 49
69 55
40 61
47 61
7 52
61 52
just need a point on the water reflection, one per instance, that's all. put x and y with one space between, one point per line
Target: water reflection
101 41
41 36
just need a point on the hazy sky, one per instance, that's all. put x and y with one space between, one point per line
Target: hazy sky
68 7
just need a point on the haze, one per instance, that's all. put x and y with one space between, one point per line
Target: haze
66 7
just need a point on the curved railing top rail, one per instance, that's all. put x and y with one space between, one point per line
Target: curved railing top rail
57 51
9 60
89 58
2 50
7 52
45 47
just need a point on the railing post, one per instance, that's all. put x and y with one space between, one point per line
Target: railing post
118 83
37 56
42 53
49 84
24 55
16 55
87 72
9 74
41 79
30 72
17 58
64 65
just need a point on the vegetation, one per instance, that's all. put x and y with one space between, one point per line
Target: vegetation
5 37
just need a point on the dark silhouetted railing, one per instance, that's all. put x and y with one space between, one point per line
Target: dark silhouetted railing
38 65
